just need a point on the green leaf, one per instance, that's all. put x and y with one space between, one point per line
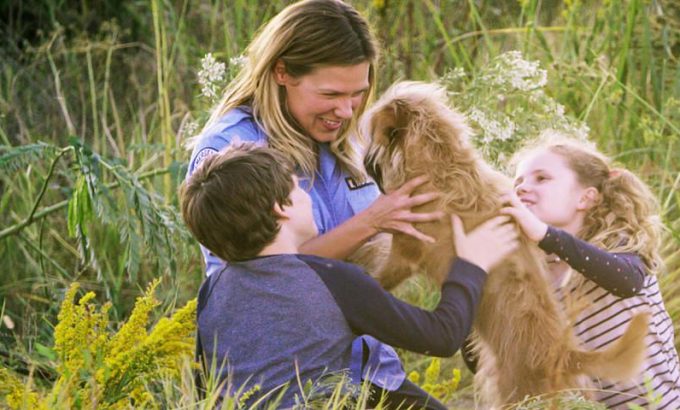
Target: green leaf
45 351
13 159
85 205
73 214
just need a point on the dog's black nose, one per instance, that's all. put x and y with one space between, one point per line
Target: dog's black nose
373 170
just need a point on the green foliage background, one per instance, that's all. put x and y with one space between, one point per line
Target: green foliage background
96 98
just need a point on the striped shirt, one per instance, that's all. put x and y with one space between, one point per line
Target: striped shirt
617 289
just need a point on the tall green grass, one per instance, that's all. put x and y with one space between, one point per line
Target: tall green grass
94 98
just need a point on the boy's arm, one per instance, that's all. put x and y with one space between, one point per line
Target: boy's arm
621 274
371 310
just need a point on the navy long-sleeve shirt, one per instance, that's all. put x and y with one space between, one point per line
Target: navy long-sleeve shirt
621 274
272 315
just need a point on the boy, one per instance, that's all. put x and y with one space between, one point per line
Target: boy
274 315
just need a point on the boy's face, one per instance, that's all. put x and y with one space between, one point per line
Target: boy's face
301 218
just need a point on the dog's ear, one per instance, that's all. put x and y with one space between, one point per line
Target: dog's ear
431 132
387 125
390 124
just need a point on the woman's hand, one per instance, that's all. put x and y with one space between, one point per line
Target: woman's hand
392 212
488 244
532 227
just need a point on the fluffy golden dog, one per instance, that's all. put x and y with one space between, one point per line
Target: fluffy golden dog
524 339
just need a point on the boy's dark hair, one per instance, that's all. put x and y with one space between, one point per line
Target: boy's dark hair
228 202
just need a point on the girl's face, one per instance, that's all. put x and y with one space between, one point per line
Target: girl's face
550 189
324 100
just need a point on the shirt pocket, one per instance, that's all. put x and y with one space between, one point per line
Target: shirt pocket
361 198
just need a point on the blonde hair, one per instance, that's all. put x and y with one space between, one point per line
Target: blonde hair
626 216
305 36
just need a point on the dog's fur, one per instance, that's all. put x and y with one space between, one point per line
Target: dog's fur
525 341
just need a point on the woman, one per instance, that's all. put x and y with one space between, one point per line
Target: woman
308 75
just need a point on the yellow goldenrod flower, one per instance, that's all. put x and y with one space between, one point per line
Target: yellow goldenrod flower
81 334
134 330
18 396
432 371
379 5
455 380
247 395
105 370
442 390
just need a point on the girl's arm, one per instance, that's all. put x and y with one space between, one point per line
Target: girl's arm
388 213
621 274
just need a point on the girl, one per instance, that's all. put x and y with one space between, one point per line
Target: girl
600 229
307 78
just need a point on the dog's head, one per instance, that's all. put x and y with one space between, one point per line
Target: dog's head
412 128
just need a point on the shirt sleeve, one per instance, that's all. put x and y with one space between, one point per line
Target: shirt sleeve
621 274
237 125
369 309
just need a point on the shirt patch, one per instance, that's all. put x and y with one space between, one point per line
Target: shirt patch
353 184
201 155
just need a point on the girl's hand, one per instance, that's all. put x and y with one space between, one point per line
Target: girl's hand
532 227
488 244
392 213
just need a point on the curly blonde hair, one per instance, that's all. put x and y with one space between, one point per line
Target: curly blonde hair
626 216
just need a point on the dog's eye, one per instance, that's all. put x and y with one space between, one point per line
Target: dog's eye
392 132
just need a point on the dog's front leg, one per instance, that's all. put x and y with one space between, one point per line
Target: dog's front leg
402 261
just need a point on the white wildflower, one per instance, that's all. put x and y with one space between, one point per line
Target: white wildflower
210 76
237 62
581 131
519 73
502 158
455 74
538 97
577 130
453 78
477 116
493 130
188 128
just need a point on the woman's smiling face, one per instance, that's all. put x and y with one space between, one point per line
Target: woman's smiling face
324 101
